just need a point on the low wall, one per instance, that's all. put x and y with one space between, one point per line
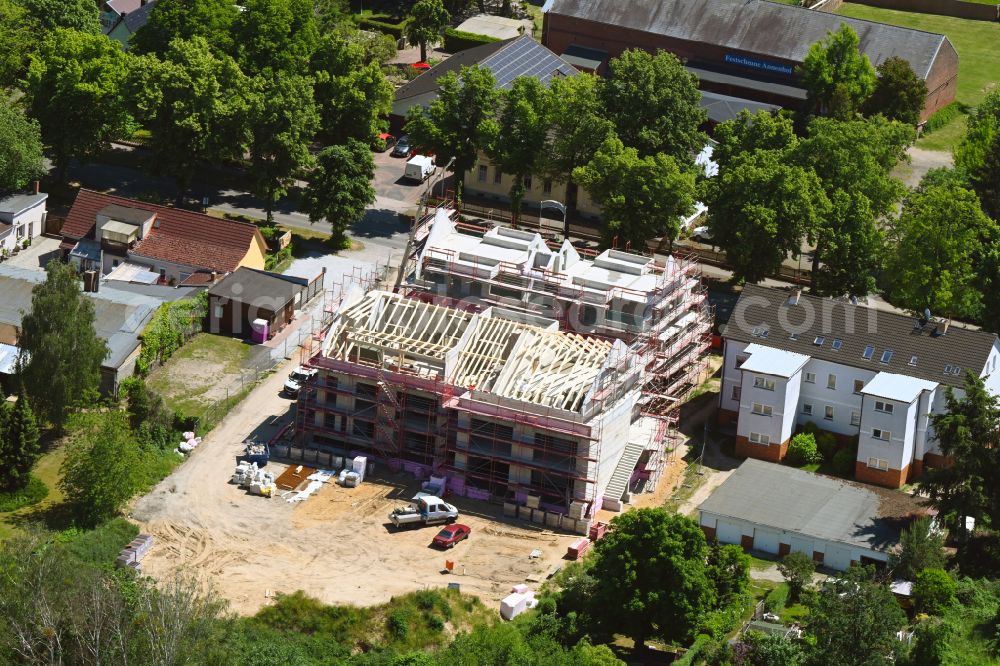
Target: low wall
955 8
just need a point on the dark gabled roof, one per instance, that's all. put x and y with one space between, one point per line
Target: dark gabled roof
814 505
246 285
178 236
755 26
138 18
509 59
763 309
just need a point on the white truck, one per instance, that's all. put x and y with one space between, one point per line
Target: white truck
419 168
425 510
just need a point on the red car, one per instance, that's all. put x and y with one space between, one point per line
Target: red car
451 535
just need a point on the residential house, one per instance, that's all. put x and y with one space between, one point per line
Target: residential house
22 219
134 15
246 295
779 510
103 231
861 373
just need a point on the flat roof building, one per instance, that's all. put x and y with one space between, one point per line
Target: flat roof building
748 49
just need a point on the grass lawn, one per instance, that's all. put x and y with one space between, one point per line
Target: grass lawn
979 66
46 469
190 381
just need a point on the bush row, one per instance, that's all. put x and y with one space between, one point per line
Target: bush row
943 116
456 40
394 30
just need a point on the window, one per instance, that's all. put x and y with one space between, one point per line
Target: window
810 377
20 231
482 173
819 341
858 385
884 435
763 410
883 407
763 383
527 182
807 409
737 392
757 438
114 264
837 344
878 463
869 352
219 311
828 413
886 356
831 382
855 418
547 186
913 360
759 331
497 176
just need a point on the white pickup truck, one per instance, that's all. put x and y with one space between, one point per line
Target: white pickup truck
425 510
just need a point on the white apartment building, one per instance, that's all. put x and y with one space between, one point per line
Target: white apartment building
22 219
854 371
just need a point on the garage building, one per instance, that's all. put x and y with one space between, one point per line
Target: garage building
743 48
777 510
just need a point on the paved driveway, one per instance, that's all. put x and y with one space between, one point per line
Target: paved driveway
389 181
39 253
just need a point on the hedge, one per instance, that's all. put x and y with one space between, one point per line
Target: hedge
942 117
694 651
456 40
394 30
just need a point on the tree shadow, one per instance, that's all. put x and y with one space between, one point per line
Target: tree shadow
379 223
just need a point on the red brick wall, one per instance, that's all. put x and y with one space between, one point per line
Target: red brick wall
727 417
772 452
890 478
936 460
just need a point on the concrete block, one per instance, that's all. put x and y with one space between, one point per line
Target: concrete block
538 516
524 512
509 509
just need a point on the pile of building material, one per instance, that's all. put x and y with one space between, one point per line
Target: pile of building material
316 481
189 444
260 482
352 475
519 600
576 549
131 555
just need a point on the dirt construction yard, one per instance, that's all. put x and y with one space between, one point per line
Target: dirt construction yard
337 545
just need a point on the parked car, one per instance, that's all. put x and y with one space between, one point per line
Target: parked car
449 536
404 148
386 140
425 510
296 379
419 168
702 235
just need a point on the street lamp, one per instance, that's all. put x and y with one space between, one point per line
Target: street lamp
552 203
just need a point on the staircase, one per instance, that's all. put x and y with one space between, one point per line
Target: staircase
386 426
614 494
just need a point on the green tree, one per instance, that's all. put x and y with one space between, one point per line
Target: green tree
578 130
920 547
654 104
74 91
459 123
853 621
331 14
899 93
989 287
47 16
17 42
729 569
20 149
19 446
196 105
760 211
970 486
985 177
340 188
651 576
748 132
60 354
797 568
759 649
640 198
428 19
938 246
522 125
187 19
931 642
853 160
933 591
283 121
275 36
352 93
838 78
103 467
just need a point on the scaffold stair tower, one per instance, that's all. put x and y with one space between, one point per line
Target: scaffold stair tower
387 411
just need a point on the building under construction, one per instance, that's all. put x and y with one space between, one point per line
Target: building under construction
525 374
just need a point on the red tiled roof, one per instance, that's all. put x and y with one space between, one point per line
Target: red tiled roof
180 236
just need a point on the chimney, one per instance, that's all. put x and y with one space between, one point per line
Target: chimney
37 186
215 277
794 298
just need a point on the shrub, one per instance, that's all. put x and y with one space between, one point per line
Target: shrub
826 444
802 449
394 30
933 591
797 568
843 462
943 116
777 599
33 493
456 40
399 624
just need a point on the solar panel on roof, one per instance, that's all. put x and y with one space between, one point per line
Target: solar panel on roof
526 57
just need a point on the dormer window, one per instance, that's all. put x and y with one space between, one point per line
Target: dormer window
819 341
869 352
837 344
886 356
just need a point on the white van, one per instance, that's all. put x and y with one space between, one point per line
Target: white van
419 168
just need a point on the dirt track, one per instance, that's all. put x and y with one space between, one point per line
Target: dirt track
336 545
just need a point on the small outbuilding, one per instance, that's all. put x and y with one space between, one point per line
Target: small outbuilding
247 295
776 509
